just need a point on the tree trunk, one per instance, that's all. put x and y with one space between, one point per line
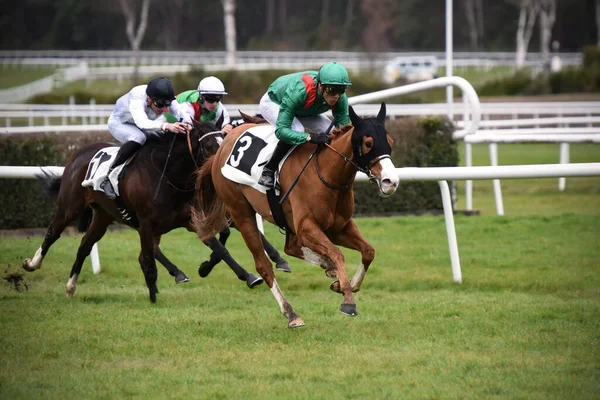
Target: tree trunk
598 23
471 21
527 17
230 32
270 16
324 18
282 17
348 22
547 18
135 36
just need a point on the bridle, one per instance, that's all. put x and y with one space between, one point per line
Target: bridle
365 170
201 152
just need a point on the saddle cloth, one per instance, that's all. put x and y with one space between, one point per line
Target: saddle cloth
249 154
98 168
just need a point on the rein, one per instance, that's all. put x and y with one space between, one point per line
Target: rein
191 152
366 170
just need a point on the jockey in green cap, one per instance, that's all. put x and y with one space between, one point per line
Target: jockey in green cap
297 100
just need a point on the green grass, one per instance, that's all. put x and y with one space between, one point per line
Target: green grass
18 75
534 196
524 323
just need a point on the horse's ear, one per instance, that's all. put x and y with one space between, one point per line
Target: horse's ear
219 123
381 114
245 117
195 124
356 120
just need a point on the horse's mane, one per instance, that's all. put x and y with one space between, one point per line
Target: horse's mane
339 132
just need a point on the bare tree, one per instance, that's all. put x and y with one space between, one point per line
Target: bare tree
378 33
529 10
270 16
547 18
282 16
348 21
134 35
324 15
230 32
598 23
474 15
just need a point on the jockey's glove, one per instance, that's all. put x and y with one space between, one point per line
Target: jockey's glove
319 138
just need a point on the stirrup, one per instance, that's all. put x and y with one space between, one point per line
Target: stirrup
267 178
108 189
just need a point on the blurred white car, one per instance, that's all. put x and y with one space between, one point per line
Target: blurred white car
412 69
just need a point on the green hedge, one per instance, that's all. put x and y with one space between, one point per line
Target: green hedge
23 203
417 143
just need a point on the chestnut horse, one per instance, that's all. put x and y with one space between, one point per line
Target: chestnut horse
318 210
155 211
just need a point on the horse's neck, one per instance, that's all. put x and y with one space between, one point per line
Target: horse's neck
180 164
333 165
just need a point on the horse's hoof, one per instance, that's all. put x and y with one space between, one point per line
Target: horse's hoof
283 266
71 291
181 278
349 309
26 265
331 273
204 269
296 323
253 281
336 287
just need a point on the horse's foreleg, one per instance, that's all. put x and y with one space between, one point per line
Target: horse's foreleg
280 263
206 267
147 261
314 239
100 222
351 238
180 276
249 230
223 254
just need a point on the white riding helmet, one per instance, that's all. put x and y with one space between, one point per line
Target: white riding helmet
211 85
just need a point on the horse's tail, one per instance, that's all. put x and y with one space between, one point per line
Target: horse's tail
51 186
50 183
209 212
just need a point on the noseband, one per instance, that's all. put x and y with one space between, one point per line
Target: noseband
365 170
201 151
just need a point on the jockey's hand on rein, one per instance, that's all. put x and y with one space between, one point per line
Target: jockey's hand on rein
319 138
177 127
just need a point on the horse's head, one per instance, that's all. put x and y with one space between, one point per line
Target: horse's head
205 139
372 148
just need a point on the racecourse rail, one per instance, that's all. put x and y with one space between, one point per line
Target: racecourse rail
439 174
470 108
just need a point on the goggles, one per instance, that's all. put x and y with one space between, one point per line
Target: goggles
335 89
212 99
161 103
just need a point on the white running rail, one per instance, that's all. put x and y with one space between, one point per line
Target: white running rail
440 174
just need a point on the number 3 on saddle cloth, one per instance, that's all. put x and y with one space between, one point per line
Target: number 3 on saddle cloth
96 172
250 153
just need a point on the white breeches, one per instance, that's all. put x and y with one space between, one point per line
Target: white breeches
126 132
270 111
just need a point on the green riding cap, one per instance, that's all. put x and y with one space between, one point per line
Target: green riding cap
333 73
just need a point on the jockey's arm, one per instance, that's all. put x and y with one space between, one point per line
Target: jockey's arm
137 108
283 128
184 112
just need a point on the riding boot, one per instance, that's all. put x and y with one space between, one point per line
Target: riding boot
268 174
126 151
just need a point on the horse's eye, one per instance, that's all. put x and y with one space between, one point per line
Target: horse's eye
368 145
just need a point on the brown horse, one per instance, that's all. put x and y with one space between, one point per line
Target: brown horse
155 211
318 210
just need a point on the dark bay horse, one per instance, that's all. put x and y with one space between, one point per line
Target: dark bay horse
155 216
318 210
